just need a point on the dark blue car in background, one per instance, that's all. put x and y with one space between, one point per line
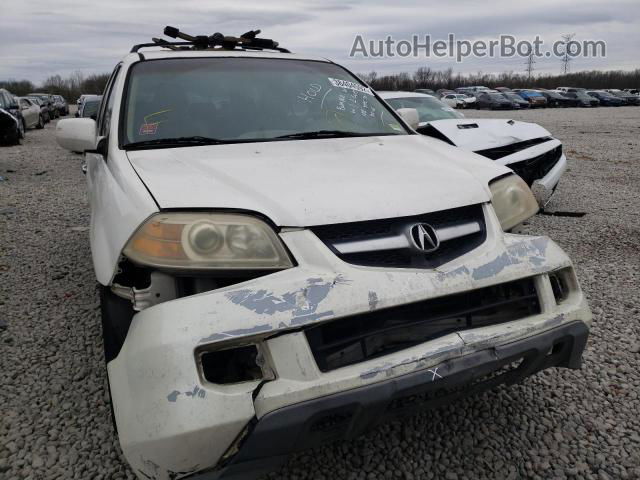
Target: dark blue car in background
606 99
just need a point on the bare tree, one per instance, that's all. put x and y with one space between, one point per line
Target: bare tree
423 77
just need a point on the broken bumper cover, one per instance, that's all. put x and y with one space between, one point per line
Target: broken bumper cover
348 414
544 188
173 423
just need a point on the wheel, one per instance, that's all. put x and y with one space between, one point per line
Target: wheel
23 128
16 138
116 313
40 124
116 316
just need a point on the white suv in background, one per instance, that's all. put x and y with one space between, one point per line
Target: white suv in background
283 261
527 148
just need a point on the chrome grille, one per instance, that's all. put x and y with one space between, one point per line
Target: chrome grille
388 242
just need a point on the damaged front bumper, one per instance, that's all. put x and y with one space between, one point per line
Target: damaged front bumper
348 414
173 423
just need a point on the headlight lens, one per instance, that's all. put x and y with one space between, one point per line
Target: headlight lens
203 241
512 200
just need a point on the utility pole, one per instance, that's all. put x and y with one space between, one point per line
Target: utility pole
529 64
566 58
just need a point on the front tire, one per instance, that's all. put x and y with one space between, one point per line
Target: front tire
116 313
16 139
23 128
40 124
116 316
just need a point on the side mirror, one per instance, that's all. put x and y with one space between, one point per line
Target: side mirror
77 134
410 115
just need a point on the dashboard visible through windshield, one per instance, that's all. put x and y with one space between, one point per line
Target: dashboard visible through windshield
231 99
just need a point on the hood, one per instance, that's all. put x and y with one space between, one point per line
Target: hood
490 133
316 182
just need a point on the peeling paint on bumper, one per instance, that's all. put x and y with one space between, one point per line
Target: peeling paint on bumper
169 416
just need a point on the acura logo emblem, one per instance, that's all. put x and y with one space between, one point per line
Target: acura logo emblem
425 237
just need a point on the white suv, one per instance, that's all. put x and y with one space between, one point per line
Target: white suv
283 261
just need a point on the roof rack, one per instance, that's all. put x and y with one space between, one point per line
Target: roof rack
217 41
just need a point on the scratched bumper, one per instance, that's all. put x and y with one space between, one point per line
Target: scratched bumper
171 422
346 415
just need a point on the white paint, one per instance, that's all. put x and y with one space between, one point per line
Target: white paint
317 182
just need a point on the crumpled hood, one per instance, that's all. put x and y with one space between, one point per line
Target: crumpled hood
315 182
490 133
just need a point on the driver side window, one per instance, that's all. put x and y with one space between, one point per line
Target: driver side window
104 117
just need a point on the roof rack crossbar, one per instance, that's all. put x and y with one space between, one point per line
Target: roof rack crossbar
217 41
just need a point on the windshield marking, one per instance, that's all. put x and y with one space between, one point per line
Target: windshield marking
323 97
350 85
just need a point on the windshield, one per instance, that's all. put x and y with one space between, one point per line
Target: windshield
249 99
428 108
513 96
90 108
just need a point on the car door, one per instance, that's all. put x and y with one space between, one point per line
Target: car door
30 112
485 100
451 100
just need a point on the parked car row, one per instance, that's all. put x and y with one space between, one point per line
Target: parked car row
17 114
509 99
88 106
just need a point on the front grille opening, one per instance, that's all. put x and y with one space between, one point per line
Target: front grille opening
406 258
370 335
499 152
537 167
233 365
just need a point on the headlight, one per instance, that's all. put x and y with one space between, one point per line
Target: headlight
203 241
512 200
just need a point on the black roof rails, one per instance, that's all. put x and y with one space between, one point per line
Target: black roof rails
246 41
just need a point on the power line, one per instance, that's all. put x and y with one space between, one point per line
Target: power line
566 58
529 64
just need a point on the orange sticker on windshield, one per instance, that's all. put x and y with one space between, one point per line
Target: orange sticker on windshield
148 128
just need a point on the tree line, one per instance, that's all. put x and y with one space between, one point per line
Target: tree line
77 83
70 87
425 77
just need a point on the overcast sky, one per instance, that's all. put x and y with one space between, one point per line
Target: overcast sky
39 38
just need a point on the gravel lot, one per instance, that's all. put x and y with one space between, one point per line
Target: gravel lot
55 420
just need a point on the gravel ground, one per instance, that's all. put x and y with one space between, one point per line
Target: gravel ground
559 424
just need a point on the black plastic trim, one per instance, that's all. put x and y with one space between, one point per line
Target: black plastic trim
347 414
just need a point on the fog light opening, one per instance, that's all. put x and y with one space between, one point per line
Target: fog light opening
233 365
560 286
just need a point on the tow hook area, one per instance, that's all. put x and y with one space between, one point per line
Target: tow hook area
162 288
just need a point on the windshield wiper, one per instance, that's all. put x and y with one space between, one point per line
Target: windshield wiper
175 142
327 134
